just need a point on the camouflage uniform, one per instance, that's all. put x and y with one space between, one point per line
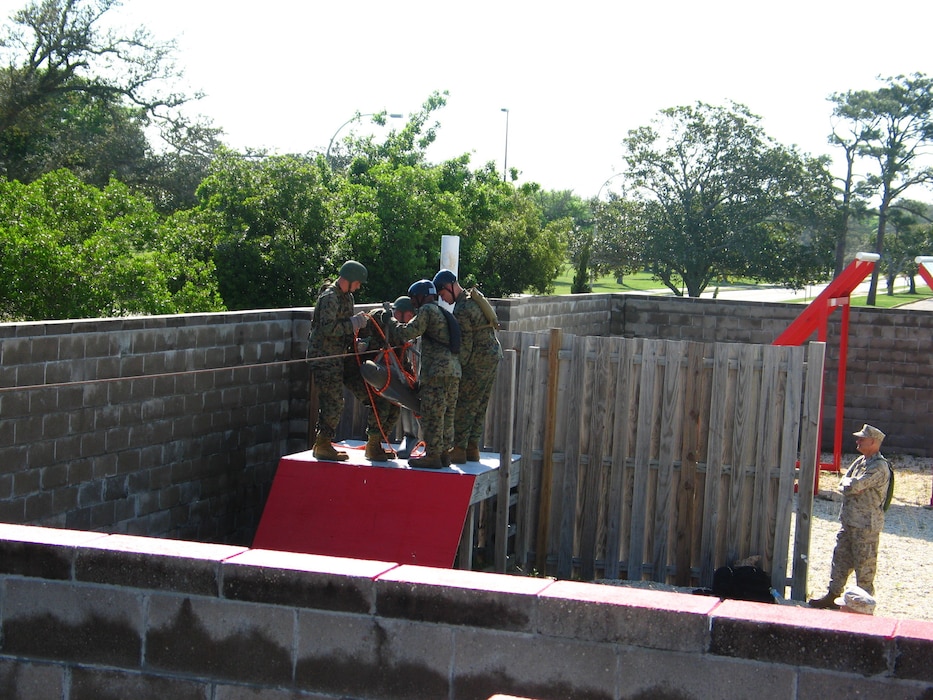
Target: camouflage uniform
862 516
480 353
439 377
332 338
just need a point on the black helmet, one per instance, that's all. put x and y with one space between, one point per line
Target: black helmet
403 304
422 288
354 271
443 278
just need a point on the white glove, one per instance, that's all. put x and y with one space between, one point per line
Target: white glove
358 321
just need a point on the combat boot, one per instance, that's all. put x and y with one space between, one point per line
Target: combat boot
457 455
374 450
324 449
428 461
472 452
827 602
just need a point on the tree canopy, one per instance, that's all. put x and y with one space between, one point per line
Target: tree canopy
709 195
75 96
71 250
891 127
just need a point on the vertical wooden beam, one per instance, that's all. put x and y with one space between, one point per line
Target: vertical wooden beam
503 498
547 464
809 458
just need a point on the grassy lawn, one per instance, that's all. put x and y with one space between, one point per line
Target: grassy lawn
631 283
883 301
643 282
638 282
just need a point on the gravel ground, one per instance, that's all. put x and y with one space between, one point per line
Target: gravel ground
905 556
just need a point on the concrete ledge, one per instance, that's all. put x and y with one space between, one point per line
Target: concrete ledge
630 616
303 580
914 650
803 637
88 615
456 597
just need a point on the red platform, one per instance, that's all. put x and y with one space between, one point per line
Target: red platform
359 509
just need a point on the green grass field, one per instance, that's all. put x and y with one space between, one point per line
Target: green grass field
643 282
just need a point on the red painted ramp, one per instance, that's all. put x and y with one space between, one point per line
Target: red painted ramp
360 510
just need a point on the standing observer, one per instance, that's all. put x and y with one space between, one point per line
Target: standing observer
866 493
480 353
332 341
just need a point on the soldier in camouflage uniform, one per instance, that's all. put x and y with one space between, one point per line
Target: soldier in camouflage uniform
439 377
864 493
333 331
480 353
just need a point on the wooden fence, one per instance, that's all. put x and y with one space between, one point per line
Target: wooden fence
659 460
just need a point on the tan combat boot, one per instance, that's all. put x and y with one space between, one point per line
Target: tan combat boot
472 452
457 455
324 449
374 450
429 461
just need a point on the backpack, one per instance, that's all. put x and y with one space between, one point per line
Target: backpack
743 583
453 328
485 307
889 496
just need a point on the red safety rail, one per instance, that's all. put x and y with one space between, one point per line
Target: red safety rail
815 318
924 267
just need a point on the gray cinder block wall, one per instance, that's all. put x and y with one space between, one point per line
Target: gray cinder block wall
87 616
172 426
167 425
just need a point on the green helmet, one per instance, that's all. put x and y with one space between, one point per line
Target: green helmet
354 271
403 304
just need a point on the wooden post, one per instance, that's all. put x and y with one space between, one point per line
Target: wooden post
547 461
809 459
503 497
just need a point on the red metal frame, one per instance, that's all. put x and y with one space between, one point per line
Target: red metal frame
815 318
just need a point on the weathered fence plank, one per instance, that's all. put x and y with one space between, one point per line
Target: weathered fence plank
647 458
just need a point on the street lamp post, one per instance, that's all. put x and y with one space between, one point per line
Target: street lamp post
505 161
355 117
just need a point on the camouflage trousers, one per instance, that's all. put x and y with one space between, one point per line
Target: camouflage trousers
856 550
330 377
476 384
438 402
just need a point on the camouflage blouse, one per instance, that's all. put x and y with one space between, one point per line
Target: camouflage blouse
430 323
478 337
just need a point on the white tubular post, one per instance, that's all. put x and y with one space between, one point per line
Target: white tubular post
450 254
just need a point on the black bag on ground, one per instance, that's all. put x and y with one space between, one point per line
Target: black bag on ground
742 583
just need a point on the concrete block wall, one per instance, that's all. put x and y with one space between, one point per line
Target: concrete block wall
88 616
889 380
168 426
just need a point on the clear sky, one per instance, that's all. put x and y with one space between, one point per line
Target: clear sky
575 77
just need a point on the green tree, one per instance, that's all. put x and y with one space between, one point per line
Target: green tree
391 208
895 123
911 236
270 218
391 218
714 196
557 205
75 96
70 250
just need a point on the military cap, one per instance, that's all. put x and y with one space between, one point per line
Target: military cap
870 431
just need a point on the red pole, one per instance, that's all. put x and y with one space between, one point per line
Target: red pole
841 382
